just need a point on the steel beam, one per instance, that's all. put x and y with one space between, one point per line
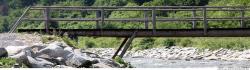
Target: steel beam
230 32
120 48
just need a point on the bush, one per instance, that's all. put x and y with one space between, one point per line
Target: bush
124 64
185 43
217 43
90 44
70 42
169 42
48 39
146 43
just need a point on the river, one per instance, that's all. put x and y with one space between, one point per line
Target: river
160 63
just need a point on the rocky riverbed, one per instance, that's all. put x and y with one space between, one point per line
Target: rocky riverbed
29 49
51 55
178 53
177 57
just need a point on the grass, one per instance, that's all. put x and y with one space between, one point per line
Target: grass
7 62
212 43
121 62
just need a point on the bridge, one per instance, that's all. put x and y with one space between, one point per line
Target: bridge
199 14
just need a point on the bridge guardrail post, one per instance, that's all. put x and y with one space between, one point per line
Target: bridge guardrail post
205 22
146 19
97 21
194 16
102 19
242 13
154 20
46 18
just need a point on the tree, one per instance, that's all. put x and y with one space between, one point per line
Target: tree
4 25
48 2
21 3
140 2
88 2
186 2
110 2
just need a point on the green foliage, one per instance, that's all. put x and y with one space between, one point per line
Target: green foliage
124 64
140 2
145 43
187 2
49 39
169 42
7 62
185 42
110 3
4 25
90 44
16 8
71 43
217 43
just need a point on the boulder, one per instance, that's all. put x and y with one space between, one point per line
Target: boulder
39 63
13 50
77 61
54 50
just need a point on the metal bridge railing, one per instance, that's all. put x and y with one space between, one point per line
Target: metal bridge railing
100 14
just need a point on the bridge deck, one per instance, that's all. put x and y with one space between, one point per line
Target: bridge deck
231 32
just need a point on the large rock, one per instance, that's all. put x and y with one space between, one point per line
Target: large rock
77 61
55 50
39 63
13 50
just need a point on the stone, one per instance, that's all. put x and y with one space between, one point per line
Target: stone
61 66
39 63
213 57
101 65
13 50
77 61
68 49
54 50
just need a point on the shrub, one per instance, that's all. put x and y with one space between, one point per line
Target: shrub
185 43
124 64
146 43
47 39
70 42
169 42
90 44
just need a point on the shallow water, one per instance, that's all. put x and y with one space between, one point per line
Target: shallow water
160 63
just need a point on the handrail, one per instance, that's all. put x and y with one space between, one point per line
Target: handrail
101 10
140 6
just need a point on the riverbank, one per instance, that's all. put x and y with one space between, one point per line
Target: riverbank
178 53
172 54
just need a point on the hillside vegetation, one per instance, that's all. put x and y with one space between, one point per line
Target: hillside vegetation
10 10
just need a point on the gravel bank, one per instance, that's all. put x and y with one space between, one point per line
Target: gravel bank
177 53
16 39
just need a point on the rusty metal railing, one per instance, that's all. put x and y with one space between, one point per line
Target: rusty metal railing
153 17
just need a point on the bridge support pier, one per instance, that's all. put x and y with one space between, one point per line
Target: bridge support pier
124 46
118 50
